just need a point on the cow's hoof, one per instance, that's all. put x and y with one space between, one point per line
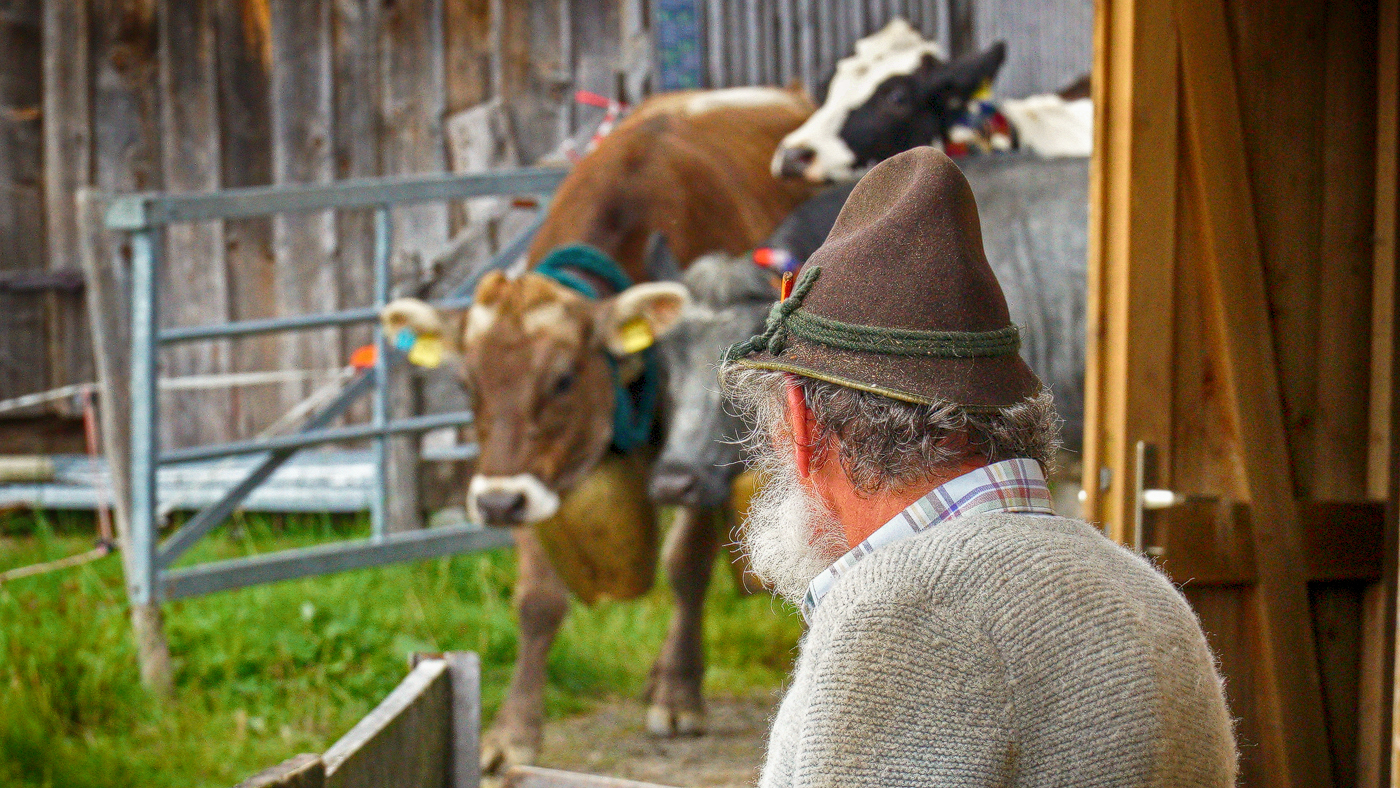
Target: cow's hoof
665 722
498 755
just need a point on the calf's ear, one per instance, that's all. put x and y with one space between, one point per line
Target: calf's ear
633 319
419 329
962 78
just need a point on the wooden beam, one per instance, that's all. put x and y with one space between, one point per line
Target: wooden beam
1132 226
1376 750
1292 726
1209 542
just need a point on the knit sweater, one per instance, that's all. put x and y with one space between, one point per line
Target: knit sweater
1003 650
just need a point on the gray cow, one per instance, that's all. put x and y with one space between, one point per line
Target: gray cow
1034 226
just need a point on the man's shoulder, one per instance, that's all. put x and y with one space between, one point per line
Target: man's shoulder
972 564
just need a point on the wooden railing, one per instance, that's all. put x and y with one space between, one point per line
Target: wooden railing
425 734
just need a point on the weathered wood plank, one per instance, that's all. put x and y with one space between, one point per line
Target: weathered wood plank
194 282
24 362
1131 248
1293 732
414 99
530 71
1226 617
244 60
303 244
1345 261
357 70
1336 610
1376 750
404 742
67 166
1383 283
1287 180
299 771
537 777
464 668
1205 439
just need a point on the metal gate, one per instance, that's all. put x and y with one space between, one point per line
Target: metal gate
145 217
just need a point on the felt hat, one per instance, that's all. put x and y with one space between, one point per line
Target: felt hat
900 300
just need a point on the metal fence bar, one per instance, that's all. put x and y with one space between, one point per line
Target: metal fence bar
267 325
142 211
460 299
316 438
329 559
379 416
211 516
145 265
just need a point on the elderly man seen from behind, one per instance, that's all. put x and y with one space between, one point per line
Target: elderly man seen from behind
960 634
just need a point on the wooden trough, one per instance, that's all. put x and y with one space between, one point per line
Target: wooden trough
425 734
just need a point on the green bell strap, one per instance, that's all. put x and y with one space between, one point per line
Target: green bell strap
634 406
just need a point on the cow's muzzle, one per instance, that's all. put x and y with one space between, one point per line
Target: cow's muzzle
793 162
505 501
675 485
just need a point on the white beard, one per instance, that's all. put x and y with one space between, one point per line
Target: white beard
789 535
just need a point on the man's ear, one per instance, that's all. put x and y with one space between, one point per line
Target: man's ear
632 320
800 426
961 79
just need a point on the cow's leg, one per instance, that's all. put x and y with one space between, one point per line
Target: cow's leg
542 599
689 555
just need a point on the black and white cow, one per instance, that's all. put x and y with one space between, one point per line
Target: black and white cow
895 93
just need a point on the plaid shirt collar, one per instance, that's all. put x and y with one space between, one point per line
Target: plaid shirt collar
1016 485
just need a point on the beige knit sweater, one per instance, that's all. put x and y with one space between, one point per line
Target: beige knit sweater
1003 650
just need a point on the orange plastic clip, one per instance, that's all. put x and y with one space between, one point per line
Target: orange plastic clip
786 289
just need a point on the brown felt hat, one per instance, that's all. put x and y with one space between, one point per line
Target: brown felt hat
900 300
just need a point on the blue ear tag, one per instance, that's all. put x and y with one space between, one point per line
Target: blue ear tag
405 339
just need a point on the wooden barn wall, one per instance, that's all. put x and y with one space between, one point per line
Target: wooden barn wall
194 95
1306 78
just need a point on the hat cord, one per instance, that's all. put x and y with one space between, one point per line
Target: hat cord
785 320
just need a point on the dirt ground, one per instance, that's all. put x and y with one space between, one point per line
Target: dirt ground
611 740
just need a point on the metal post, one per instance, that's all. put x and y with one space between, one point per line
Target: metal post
145 249
379 499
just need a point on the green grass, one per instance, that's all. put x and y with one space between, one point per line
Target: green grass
264 673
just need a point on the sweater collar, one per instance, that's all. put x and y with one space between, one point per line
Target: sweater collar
1016 485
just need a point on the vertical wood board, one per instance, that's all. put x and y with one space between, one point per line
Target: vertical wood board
194 280
1293 732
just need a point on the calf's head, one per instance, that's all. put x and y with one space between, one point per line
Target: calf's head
730 299
893 94
534 356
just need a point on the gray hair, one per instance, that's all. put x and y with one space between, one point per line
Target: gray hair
887 444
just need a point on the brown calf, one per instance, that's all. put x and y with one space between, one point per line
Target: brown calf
693 168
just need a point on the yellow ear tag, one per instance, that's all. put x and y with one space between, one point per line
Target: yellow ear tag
635 335
427 351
